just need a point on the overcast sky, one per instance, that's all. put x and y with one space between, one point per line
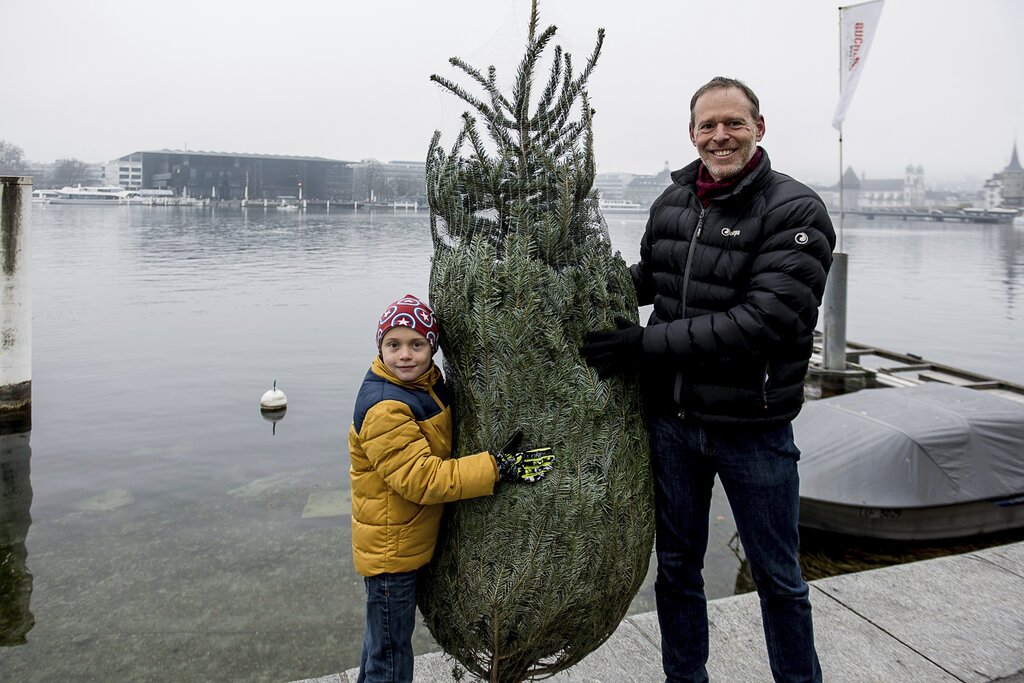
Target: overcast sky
350 80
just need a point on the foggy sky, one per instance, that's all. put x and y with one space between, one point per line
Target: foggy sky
348 80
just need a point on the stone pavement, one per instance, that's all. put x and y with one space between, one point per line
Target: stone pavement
950 619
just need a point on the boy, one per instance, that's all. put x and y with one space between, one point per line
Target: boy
402 473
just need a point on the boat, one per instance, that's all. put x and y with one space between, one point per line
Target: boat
288 203
162 197
44 196
620 206
925 462
100 195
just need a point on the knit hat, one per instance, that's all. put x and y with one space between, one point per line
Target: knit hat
412 313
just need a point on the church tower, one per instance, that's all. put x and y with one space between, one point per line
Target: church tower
1013 181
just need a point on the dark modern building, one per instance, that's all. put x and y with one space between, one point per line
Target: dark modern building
224 175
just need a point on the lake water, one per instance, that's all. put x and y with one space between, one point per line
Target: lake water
175 534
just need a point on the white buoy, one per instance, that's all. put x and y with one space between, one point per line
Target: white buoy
274 399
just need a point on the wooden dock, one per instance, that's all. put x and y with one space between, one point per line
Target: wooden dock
871 366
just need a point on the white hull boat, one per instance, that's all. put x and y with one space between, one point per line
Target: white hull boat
102 195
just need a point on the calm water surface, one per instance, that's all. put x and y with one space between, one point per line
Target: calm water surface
177 535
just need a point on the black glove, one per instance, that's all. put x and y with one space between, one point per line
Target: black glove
611 352
528 466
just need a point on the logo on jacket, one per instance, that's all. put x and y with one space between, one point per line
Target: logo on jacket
730 233
801 238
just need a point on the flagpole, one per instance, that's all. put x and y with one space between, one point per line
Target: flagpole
833 349
856 31
842 192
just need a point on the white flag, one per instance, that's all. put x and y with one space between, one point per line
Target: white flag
857 26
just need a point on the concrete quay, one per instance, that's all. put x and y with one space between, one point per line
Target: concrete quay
957 618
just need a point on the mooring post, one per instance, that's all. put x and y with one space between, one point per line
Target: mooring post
834 349
16 330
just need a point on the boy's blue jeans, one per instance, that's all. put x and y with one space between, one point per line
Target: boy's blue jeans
390 618
758 470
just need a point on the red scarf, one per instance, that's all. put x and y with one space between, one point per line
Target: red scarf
708 188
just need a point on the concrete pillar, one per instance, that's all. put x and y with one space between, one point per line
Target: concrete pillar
834 351
16 327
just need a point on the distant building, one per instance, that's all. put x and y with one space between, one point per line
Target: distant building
893 193
954 198
126 172
401 181
223 175
914 192
1006 188
887 193
644 189
612 186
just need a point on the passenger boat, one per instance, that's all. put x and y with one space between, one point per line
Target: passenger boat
924 462
100 195
44 196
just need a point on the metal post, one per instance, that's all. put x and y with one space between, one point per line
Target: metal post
834 350
16 330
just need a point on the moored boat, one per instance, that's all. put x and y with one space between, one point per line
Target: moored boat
100 195
924 462
44 196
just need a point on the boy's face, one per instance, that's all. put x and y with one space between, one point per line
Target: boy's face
406 353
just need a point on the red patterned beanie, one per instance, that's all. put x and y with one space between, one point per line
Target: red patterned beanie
412 313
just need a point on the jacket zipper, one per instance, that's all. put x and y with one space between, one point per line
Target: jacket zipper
689 257
686 283
764 387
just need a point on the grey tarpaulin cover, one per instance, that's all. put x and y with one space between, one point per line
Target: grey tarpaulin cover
926 445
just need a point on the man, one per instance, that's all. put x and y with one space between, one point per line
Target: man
734 259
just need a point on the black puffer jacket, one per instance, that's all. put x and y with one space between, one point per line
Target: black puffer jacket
734 307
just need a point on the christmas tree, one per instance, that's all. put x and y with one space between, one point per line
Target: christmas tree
529 581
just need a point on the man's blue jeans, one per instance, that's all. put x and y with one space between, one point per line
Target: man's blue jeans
758 470
390 619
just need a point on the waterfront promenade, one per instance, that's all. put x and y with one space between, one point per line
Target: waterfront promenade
958 618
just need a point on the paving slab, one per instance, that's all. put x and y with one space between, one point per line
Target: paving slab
943 620
851 649
1008 557
629 656
962 613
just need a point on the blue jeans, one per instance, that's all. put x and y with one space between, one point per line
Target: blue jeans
390 618
757 468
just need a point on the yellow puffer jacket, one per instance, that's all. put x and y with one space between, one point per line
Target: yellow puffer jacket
402 472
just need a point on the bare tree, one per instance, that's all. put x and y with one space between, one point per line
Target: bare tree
370 182
69 171
12 158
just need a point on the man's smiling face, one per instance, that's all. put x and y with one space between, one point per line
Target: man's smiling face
724 131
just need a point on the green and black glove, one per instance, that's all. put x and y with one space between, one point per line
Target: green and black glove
528 466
